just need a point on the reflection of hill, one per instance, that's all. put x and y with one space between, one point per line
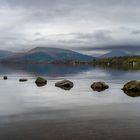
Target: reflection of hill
48 69
126 67
4 70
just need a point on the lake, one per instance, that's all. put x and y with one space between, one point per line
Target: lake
28 112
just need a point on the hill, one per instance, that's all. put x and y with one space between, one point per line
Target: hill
114 54
48 55
6 54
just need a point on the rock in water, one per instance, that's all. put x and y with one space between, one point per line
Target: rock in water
64 84
5 77
40 81
99 86
133 86
23 80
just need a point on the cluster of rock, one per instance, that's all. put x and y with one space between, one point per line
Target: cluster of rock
64 84
131 88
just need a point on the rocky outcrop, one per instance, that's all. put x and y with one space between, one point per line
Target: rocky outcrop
99 86
64 84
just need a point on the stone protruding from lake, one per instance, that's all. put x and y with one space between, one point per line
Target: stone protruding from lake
99 86
40 81
64 84
132 86
23 80
5 77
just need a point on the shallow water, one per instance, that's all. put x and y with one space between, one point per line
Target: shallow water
25 101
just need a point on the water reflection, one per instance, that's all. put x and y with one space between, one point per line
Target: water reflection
17 97
98 89
65 88
40 84
124 66
132 93
50 70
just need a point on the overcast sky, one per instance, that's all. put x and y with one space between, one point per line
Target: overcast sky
88 26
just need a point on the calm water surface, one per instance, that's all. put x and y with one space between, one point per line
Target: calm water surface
16 97
21 102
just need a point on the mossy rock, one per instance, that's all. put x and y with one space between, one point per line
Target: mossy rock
64 84
99 86
40 81
133 86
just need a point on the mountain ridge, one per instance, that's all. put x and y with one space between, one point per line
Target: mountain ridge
44 54
6 54
116 53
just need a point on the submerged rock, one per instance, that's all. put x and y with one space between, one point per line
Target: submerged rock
64 84
23 80
40 81
5 77
99 86
133 86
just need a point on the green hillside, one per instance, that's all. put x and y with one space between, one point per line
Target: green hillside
125 62
124 59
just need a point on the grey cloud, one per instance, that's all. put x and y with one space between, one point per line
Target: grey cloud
127 48
107 24
103 35
41 9
86 38
42 3
99 35
136 32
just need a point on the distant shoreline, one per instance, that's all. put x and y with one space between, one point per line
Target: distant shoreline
124 63
110 60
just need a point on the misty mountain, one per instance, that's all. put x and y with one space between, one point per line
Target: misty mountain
114 54
43 54
6 54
